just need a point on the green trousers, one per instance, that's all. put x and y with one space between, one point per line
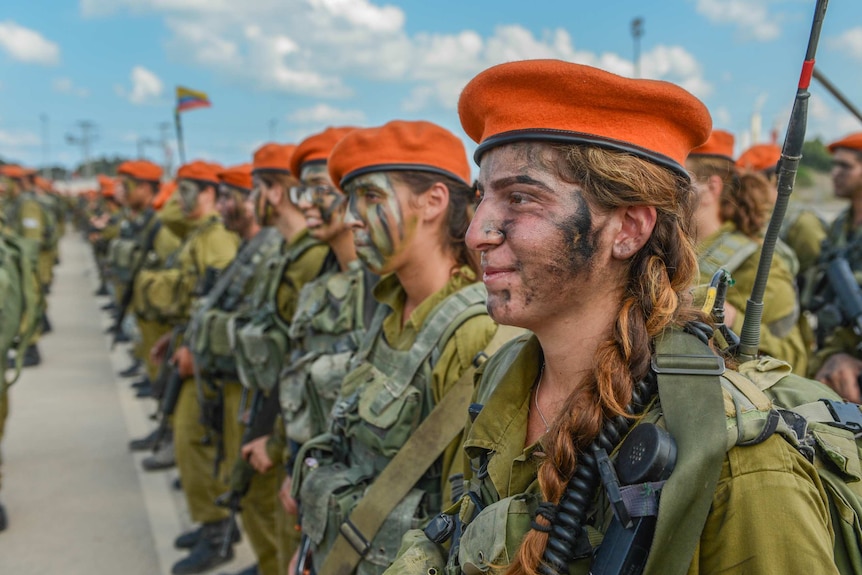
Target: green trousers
4 413
150 332
195 459
259 504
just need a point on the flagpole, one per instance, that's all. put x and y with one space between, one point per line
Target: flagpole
181 147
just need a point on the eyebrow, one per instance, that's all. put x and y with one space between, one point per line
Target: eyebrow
520 179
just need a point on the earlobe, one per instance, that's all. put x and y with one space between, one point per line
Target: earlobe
638 223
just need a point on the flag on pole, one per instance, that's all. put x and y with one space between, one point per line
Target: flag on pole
191 99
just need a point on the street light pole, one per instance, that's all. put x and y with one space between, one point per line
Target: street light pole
637 32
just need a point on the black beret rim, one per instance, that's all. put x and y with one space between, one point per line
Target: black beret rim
567 137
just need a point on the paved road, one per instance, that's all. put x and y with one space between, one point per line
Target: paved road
77 500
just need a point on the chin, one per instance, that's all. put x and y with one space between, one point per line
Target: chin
505 312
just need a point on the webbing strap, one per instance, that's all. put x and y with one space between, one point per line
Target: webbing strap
425 445
693 406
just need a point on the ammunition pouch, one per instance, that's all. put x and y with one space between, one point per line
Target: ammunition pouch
494 535
162 296
212 345
124 256
308 390
260 347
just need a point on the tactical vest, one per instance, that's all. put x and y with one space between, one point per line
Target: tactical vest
757 403
258 337
51 232
164 295
728 251
384 398
331 317
126 251
208 334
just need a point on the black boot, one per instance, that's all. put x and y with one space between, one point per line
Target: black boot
46 324
207 552
147 443
188 539
30 357
4 521
110 306
102 291
144 391
141 383
132 370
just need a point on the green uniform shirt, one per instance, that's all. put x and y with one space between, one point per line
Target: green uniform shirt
804 233
780 336
301 271
457 355
769 512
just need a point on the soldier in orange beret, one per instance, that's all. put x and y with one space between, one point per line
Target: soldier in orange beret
802 229
584 231
838 363
729 222
174 292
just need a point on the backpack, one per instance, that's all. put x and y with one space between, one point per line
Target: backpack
828 432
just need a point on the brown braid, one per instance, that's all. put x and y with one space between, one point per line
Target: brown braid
656 296
744 198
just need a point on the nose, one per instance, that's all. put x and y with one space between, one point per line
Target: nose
483 232
351 217
303 203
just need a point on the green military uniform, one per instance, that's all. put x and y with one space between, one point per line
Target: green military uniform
49 255
406 365
332 315
780 335
804 232
261 351
208 247
842 239
209 340
761 490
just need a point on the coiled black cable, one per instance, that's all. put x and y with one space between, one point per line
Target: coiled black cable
571 512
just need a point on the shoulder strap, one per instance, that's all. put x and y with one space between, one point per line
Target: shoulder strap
691 399
422 449
729 252
444 318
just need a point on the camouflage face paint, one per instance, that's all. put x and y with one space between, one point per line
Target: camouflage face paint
374 201
318 190
188 192
232 205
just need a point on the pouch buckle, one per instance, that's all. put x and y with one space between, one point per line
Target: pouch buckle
846 415
687 364
355 537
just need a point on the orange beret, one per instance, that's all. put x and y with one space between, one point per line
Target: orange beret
200 171
140 170
556 101
399 146
719 144
237 176
316 148
13 171
44 183
273 157
166 190
852 142
759 157
107 186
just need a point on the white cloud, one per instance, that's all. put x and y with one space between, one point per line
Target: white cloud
146 88
13 139
326 114
751 17
26 45
324 44
65 85
849 42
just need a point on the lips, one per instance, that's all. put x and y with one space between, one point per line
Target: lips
492 274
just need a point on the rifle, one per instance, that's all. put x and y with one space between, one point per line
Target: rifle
242 474
791 154
824 81
117 328
168 386
716 295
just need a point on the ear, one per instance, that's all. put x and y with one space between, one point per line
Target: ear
274 194
435 202
637 225
714 186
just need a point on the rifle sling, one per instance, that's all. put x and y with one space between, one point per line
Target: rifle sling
691 400
422 449
129 291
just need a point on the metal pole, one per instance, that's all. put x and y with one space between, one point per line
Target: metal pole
46 157
824 81
181 149
637 32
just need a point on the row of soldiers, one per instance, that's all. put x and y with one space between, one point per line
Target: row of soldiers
301 316
32 221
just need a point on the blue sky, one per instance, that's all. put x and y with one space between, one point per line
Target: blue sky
291 67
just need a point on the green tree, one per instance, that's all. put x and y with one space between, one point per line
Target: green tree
815 156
